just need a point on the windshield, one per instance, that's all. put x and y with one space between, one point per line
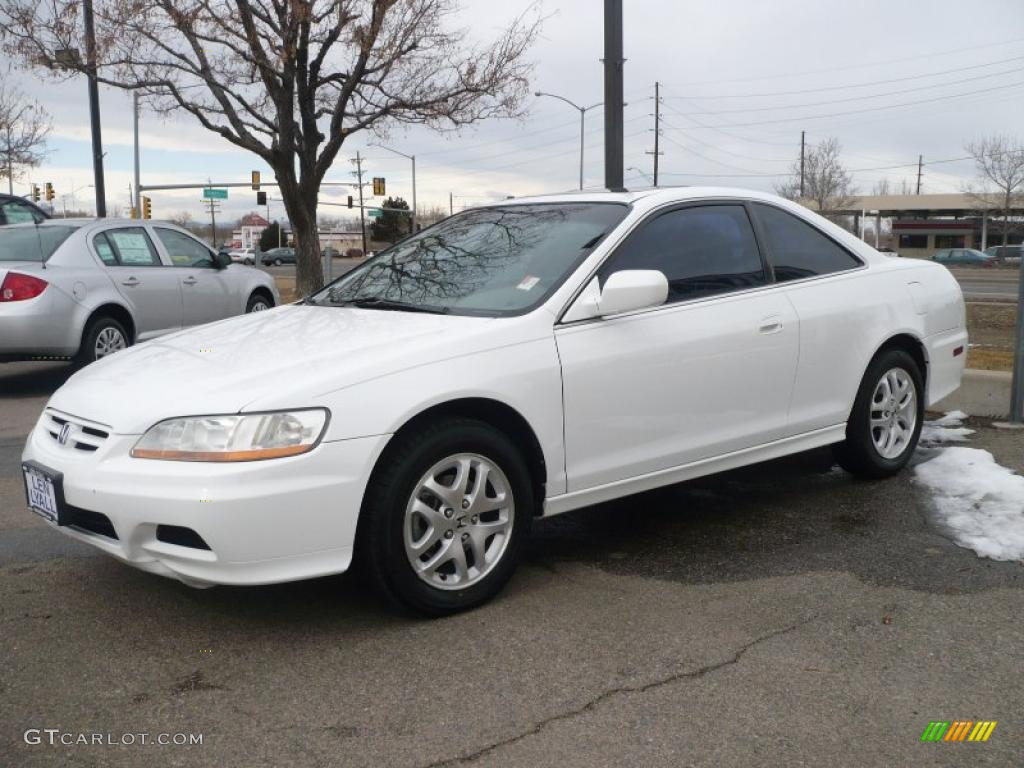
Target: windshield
31 243
488 261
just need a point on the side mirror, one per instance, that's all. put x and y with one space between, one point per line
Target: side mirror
221 261
632 289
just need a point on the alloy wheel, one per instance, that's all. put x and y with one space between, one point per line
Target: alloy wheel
458 521
893 413
108 341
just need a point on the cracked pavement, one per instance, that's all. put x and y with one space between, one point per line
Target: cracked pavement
779 615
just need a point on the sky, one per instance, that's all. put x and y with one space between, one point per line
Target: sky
740 79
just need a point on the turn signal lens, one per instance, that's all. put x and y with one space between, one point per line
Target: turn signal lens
236 437
19 287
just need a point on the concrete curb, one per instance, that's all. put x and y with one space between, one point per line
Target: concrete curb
982 393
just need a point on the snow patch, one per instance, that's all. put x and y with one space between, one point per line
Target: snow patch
947 429
980 501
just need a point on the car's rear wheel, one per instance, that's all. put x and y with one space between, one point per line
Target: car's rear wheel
248 262
277 262
885 422
258 303
103 336
445 517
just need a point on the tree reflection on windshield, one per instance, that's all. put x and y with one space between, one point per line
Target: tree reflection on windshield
498 260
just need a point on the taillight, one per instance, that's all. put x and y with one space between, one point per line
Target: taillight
18 287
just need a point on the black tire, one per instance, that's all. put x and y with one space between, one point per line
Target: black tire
858 454
258 298
277 262
248 262
380 547
87 352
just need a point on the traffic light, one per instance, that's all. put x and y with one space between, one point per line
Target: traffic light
350 201
49 191
256 180
147 208
261 197
378 185
35 194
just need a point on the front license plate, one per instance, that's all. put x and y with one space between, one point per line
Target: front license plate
42 494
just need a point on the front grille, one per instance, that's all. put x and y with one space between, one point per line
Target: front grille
183 537
90 522
72 432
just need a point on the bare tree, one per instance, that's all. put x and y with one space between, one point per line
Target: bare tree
288 80
24 126
183 219
827 183
881 188
999 161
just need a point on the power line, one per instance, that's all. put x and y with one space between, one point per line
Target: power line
691 137
851 85
876 109
944 52
854 98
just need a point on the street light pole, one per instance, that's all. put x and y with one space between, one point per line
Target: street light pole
583 113
136 201
412 223
94 109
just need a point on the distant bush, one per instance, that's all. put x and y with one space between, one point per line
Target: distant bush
354 253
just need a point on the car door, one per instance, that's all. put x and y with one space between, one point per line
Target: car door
837 304
207 292
707 373
150 288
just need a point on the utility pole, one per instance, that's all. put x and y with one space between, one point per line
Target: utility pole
657 129
1017 382
135 128
803 151
213 224
94 109
613 64
10 163
920 162
451 204
362 212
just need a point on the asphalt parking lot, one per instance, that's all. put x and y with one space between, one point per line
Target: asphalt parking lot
779 615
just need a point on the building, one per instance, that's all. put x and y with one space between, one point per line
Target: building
340 239
250 227
923 224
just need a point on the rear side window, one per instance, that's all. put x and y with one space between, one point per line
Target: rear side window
703 251
104 249
796 249
131 246
21 213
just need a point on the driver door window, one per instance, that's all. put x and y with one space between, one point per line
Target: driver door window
184 251
703 251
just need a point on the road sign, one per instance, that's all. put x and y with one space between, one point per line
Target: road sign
374 213
215 194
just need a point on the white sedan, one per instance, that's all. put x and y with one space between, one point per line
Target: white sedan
513 361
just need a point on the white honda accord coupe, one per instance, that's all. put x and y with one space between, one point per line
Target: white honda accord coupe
513 361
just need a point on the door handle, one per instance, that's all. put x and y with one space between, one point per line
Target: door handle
130 282
771 324
189 281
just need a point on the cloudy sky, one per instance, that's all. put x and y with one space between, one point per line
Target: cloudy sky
891 79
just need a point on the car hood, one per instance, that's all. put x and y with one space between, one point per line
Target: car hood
282 358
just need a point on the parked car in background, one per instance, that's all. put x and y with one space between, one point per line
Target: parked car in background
963 257
331 252
887 251
84 288
1006 254
278 256
245 256
18 210
512 361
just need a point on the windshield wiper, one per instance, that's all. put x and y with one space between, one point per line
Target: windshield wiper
375 302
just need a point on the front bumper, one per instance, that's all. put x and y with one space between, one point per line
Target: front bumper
263 521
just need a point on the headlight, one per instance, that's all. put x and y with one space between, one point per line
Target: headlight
239 437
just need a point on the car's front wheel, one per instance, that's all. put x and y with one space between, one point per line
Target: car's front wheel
885 422
103 336
277 262
446 516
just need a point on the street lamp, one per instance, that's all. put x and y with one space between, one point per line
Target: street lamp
583 112
412 224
